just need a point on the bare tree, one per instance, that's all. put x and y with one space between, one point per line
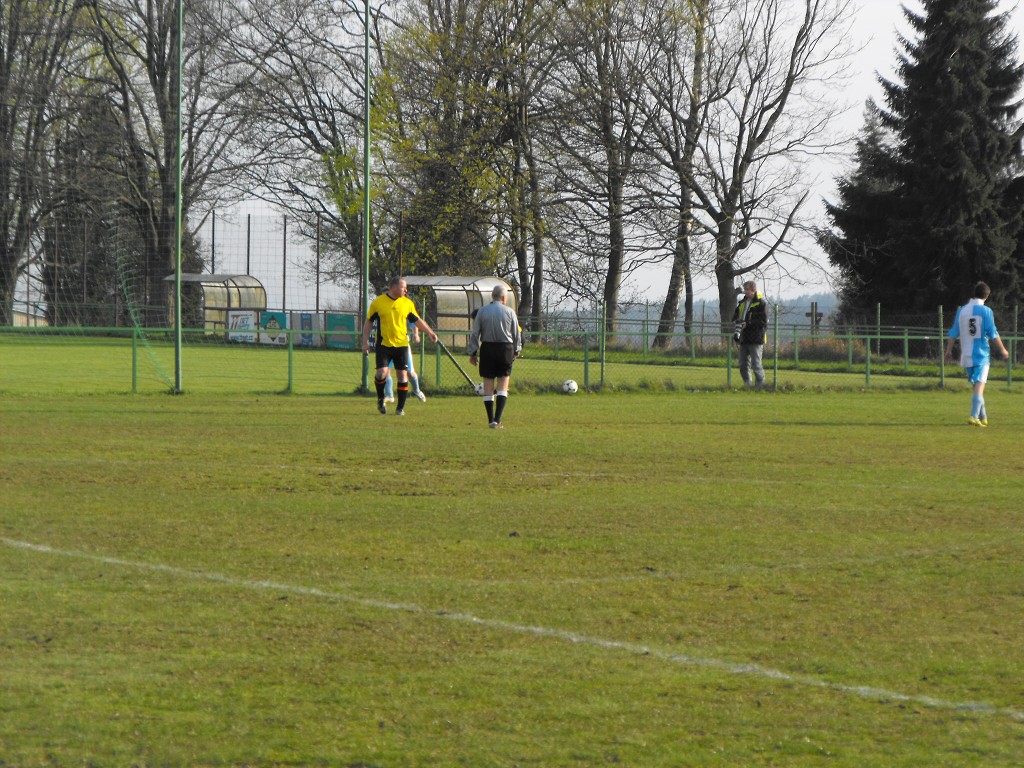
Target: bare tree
450 139
530 52
35 46
306 104
766 107
86 228
446 123
676 108
596 150
139 40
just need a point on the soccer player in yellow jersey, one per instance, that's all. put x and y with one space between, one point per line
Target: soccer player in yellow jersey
393 312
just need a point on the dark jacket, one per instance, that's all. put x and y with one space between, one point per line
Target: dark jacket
751 322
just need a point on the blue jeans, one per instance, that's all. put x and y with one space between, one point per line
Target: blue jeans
750 358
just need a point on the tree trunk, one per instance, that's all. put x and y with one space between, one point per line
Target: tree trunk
681 280
8 281
724 275
519 206
616 250
613 279
678 282
538 243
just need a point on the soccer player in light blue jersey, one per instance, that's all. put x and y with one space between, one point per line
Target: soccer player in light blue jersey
975 328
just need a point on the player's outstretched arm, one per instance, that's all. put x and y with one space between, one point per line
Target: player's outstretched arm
422 325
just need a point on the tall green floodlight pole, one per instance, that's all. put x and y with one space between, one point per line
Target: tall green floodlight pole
177 208
365 304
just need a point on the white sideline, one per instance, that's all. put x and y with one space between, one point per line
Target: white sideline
757 670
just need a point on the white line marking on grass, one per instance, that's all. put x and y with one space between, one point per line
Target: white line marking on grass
733 668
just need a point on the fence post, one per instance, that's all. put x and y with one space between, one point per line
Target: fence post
603 338
647 325
1012 350
775 345
849 350
906 349
878 327
702 308
867 364
284 263
437 365
728 361
796 346
1013 341
135 359
586 360
317 270
291 360
942 352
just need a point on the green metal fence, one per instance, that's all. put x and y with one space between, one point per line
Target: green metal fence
795 356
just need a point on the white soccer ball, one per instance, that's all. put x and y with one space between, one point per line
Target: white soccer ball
479 389
570 387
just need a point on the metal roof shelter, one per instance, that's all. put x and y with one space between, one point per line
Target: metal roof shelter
220 293
449 301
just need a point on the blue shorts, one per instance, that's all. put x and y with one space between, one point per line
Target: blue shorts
977 374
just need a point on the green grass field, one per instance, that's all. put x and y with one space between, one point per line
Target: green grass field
50 361
666 579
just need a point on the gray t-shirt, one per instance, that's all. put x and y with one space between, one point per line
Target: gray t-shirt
496 323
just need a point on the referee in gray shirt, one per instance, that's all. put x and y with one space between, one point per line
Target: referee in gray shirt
496 339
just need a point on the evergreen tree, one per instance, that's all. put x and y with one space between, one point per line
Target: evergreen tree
860 245
948 218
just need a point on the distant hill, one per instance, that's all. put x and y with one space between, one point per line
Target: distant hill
797 310
791 311
827 302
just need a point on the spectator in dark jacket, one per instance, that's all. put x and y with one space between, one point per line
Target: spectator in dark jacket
750 332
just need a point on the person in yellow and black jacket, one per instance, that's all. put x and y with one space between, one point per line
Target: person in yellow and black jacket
750 323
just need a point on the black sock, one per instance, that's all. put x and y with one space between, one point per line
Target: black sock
499 406
489 405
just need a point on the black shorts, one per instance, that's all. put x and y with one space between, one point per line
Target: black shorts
397 355
496 360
